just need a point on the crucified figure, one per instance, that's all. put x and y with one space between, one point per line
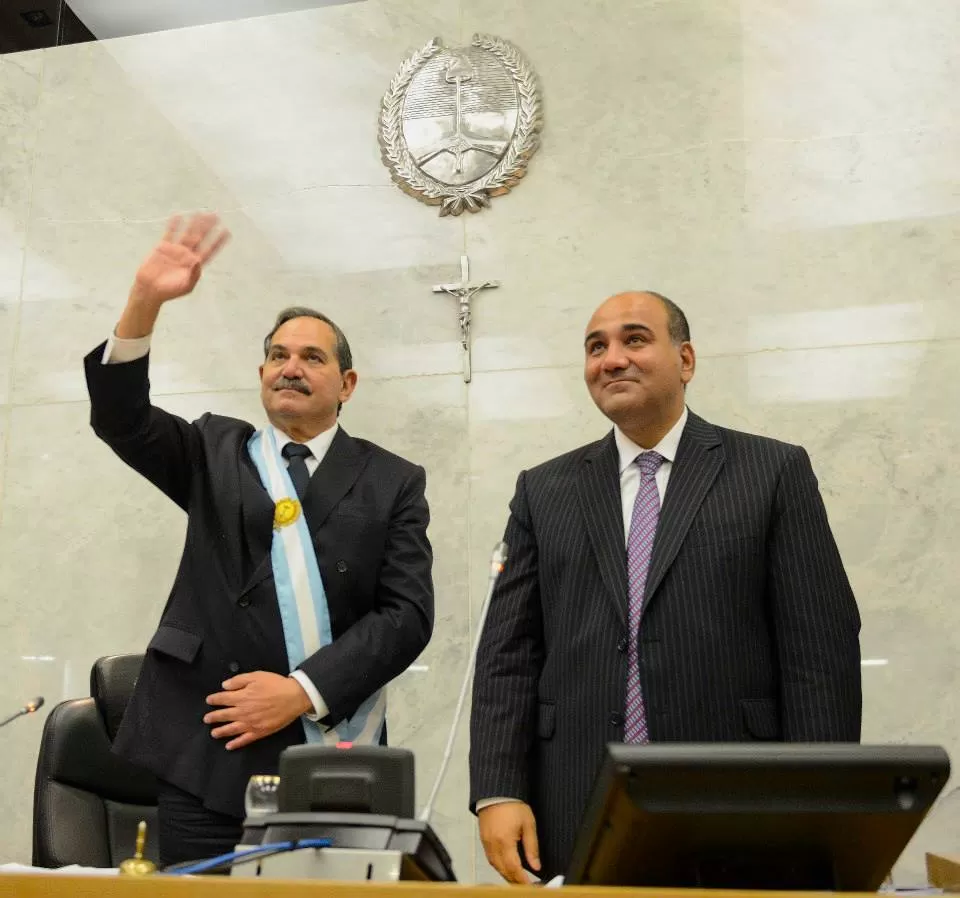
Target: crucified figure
464 292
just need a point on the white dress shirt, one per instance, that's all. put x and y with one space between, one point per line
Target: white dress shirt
119 350
629 487
630 473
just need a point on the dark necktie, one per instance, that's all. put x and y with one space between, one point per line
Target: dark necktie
296 455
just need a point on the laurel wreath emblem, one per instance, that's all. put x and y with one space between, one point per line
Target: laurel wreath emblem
476 194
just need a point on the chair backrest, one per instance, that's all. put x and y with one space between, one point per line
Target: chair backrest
87 801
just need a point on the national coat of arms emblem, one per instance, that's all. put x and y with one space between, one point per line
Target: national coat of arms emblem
458 126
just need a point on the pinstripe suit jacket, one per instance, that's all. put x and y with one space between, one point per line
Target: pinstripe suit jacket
750 630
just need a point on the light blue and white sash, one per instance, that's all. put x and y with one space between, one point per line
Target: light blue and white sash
300 592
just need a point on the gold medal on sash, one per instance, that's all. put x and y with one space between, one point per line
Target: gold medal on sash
285 513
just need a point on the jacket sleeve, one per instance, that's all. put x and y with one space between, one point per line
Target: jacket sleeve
162 447
510 657
815 619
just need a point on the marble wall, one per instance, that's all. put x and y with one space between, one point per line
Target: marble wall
787 172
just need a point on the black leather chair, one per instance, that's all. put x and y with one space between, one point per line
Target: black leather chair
87 802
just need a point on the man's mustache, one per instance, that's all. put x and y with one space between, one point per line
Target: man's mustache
292 383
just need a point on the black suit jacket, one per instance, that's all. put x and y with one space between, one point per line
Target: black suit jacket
368 515
749 631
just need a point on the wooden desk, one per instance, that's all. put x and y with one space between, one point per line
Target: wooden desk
41 886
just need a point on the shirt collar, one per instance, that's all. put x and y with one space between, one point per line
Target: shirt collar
667 447
318 445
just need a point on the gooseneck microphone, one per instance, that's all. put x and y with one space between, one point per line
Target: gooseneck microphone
28 708
497 561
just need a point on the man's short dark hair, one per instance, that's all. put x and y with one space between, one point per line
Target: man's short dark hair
677 325
344 356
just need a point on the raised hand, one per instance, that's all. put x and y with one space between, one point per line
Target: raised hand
175 264
170 271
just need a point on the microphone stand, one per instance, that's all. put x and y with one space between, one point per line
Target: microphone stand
497 562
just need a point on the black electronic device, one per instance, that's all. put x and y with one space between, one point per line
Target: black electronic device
757 815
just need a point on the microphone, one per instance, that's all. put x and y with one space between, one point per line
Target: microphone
497 562
28 708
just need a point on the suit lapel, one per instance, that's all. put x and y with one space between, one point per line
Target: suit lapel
698 462
338 471
256 510
599 491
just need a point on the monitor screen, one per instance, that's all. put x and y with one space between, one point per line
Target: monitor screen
757 815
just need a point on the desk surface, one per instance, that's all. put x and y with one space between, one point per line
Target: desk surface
42 886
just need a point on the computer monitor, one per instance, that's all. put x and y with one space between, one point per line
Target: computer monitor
761 815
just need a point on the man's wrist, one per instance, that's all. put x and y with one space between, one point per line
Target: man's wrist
318 707
139 316
142 297
303 703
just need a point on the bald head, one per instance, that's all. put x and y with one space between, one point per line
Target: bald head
677 325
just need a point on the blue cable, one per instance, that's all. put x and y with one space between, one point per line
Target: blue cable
235 857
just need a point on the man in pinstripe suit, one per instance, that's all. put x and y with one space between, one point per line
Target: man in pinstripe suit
673 582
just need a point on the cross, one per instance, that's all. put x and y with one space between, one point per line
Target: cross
464 291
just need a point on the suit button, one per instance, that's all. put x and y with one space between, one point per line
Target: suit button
244 602
233 667
616 719
622 645
342 567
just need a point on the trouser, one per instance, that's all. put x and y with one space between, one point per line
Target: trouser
191 832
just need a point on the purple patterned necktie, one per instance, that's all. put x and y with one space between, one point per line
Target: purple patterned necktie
643 527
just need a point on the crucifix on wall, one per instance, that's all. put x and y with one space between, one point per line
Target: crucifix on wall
464 292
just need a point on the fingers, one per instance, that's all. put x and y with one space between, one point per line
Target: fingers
203 234
505 859
512 868
208 252
240 733
243 740
226 699
234 728
531 845
173 228
198 229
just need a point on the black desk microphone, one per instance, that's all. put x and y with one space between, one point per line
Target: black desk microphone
28 708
